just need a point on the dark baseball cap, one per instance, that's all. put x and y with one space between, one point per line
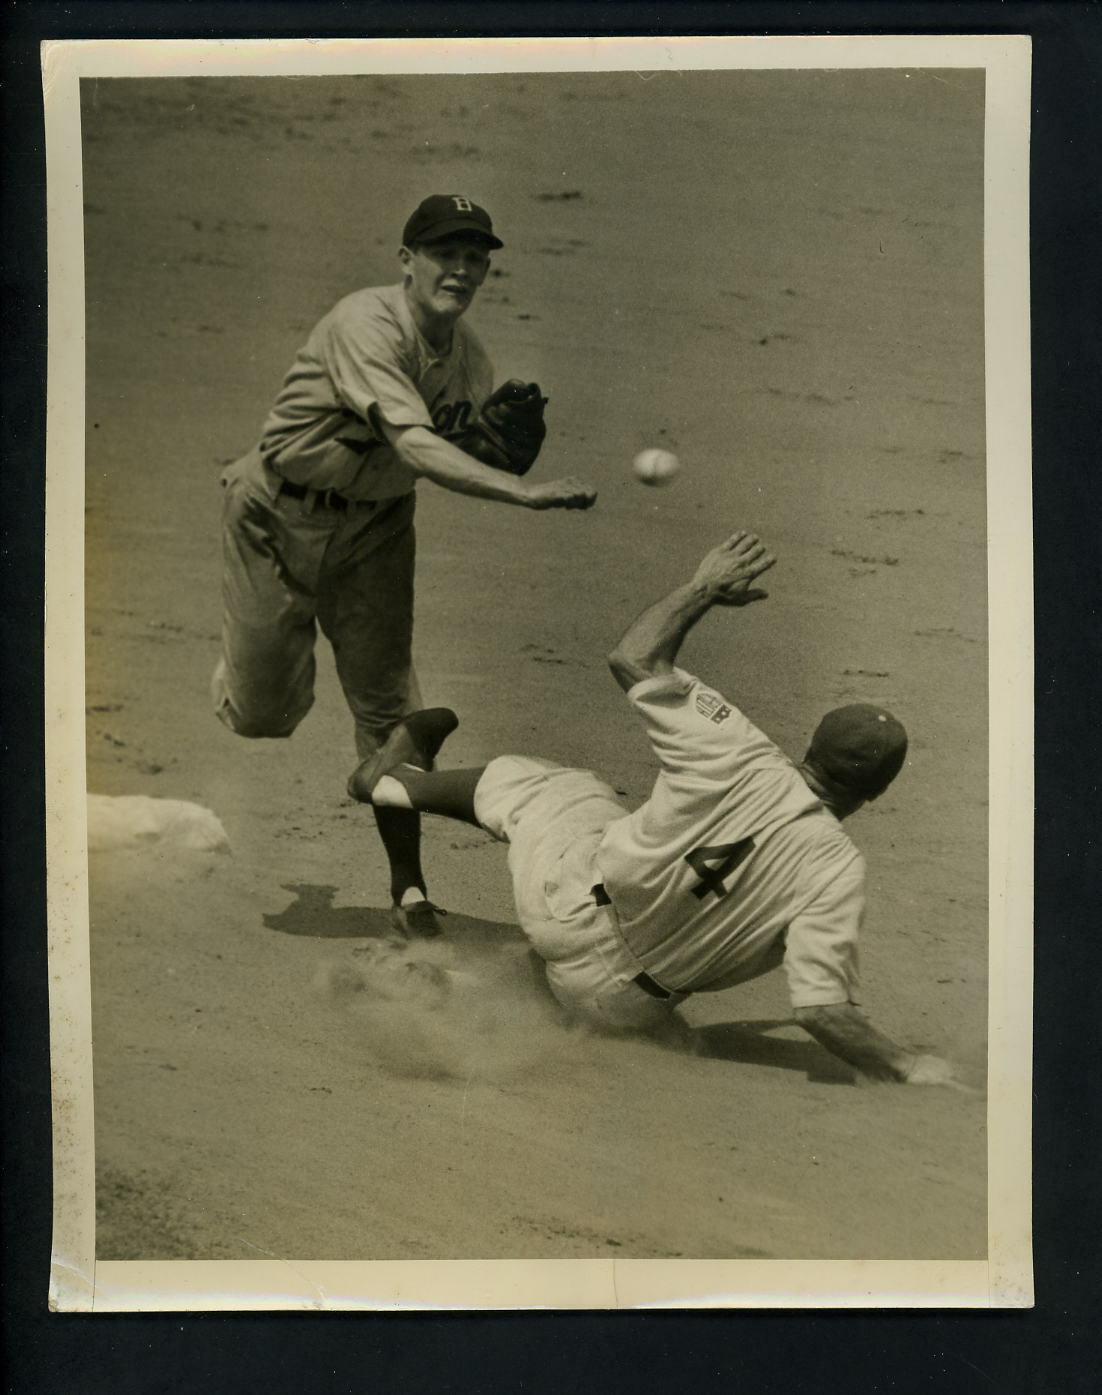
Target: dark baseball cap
860 747
443 216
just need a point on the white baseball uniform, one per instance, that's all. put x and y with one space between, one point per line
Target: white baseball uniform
731 867
318 520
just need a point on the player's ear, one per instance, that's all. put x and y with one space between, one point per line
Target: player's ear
405 258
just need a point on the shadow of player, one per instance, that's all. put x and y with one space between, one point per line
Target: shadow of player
750 1043
313 914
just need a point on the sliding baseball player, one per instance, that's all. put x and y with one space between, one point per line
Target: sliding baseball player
737 863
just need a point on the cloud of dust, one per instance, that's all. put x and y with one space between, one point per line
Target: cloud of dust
426 1011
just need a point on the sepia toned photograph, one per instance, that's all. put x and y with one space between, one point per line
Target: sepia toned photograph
536 654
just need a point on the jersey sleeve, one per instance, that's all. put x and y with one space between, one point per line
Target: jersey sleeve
821 958
693 728
714 762
365 357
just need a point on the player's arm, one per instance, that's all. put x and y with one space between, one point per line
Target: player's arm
436 459
848 1034
651 643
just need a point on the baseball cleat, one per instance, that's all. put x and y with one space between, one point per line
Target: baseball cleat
414 741
417 920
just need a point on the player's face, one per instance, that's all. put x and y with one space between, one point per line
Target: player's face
442 277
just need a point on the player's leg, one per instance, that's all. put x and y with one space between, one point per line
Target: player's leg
398 780
447 793
264 682
365 607
493 798
553 819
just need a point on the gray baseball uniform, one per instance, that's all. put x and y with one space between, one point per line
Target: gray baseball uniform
318 520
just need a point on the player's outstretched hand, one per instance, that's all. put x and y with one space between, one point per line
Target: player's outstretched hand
568 493
727 571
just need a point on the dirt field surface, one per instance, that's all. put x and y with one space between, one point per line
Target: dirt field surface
779 276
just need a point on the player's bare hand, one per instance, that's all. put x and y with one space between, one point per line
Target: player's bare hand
568 493
727 571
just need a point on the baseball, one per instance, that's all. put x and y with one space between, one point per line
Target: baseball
655 466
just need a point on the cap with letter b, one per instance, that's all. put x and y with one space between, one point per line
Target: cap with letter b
860 747
443 216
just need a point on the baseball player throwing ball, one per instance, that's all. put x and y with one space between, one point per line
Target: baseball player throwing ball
736 864
318 517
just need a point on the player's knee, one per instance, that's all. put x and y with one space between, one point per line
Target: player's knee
259 721
254 729
259 714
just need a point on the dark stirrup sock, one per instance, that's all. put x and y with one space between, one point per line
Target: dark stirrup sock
400 831
448 793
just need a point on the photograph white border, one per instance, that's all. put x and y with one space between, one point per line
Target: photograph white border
77 1282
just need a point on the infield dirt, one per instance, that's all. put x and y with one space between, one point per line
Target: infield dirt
776 275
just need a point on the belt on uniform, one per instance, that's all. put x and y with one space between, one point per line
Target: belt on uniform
327 498
644 980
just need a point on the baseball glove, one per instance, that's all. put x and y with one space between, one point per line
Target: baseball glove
510 428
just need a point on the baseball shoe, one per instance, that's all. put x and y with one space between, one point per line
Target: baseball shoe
414 741
417 920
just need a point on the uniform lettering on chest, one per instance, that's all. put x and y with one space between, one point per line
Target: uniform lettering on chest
710 706
451 418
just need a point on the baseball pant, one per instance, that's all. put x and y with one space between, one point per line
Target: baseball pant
553 819
290 565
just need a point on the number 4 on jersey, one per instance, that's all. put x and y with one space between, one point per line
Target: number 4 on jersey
713 864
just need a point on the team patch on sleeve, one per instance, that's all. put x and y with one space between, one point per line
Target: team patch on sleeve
712 707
